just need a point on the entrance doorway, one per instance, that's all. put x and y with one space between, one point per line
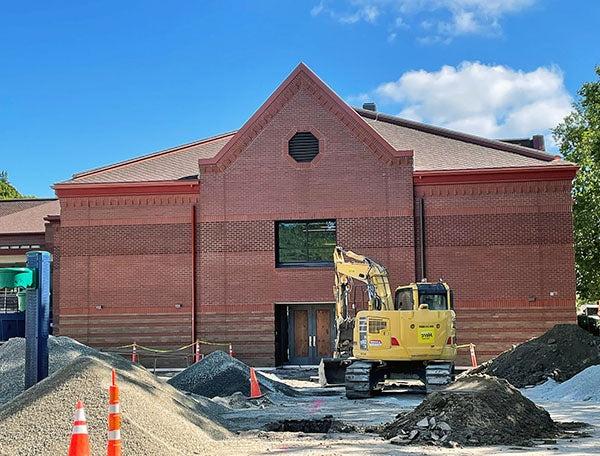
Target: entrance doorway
304 333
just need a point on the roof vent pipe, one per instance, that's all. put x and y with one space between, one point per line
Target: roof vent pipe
370 106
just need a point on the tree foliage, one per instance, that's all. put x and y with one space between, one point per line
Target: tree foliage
7 191
578 137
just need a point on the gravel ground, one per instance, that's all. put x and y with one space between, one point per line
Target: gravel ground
62 351
157 419
218 374
361 413
382 409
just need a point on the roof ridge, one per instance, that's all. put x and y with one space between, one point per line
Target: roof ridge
152 154
453 134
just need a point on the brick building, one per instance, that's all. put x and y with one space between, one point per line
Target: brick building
229 238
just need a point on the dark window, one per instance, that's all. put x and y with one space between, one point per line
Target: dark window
434 301
303 146
305 243
404 299
434 295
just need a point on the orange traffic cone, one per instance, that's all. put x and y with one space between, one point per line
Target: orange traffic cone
255 392
80 441
114 418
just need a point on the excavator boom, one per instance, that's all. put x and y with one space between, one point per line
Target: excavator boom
364 270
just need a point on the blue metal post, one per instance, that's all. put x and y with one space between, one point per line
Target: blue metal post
37 319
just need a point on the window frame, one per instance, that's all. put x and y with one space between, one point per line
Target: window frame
302 264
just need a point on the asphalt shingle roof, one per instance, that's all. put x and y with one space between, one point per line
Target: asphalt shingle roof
437 151
26 216
172 164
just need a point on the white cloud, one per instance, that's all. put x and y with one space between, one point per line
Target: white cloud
489 100
440 20
358 10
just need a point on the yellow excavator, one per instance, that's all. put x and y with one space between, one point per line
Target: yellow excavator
408 334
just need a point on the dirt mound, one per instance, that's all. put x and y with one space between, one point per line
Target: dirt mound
218 374
62 351
476 410
311 426
157 419
560 353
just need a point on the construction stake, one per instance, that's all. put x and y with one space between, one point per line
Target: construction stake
473 356
134 357
197 352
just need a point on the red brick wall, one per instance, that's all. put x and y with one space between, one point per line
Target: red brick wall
503 248
238 282
131 255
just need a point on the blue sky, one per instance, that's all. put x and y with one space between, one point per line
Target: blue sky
87 83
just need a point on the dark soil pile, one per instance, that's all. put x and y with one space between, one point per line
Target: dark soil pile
314 426
218 374
473 411
560 353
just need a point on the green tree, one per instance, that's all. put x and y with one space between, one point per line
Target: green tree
7 191
578 137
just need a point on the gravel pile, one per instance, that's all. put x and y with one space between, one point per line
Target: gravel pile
157 419
560 353
585 386
218 374
62 351
473 411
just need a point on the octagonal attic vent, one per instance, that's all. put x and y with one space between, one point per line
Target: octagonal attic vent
303 146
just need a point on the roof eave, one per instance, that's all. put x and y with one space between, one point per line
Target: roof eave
490 175
79 189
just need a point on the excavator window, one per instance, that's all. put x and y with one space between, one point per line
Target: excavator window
404 299
434 301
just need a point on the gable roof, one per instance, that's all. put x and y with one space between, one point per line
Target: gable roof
389 137
303 77
26 215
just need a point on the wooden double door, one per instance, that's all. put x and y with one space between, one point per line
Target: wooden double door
311 331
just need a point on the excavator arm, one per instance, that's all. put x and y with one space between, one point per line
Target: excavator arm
365 270
350 266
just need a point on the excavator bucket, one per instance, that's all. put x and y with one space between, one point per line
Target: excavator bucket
332 371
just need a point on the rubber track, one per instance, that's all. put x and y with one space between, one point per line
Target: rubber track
359 383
